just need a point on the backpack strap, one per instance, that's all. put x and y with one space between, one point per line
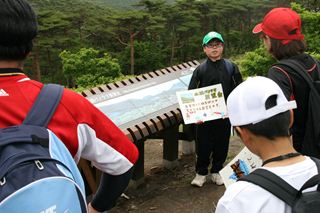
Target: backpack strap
290 81
229 66
299 69
45 105
200 73
317 162
273 184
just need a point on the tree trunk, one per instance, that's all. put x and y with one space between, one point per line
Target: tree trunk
172 46
36 65
49 63
172 52
132 54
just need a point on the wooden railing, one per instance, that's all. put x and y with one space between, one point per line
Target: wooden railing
163 123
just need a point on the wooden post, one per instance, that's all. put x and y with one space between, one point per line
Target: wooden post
170 146
138 172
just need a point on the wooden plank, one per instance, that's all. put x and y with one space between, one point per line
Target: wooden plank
158 72
170 69
150 126
133 80
143 130
112 86
96 90
171 117
139 78
158 124
135 132
164 120
104 88
127 82
175 67
138 172
186 65
152 74
86 93
146 76
181 67
178 115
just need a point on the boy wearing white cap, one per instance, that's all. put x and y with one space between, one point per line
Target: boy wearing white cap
262 116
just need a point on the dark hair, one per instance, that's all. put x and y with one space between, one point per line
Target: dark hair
282 51
273 127
18 27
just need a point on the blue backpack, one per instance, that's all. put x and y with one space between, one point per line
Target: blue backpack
37 172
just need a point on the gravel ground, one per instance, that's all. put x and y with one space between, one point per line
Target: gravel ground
169 190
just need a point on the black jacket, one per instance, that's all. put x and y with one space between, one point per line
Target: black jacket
210 73
299 89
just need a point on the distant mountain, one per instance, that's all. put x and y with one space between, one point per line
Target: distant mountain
121 4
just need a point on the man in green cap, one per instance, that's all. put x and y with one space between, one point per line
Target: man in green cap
212 137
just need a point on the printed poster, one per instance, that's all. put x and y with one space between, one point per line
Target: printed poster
244 163
202 104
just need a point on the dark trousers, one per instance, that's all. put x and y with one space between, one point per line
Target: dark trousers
212 140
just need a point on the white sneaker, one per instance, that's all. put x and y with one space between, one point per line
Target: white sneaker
216 178
199 180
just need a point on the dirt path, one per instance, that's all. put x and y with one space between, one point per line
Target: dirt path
169 190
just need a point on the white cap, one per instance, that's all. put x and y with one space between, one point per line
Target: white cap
246 103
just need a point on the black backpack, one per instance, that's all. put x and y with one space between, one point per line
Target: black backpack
311 141
300 202
230 69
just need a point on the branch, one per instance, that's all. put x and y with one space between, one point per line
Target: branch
122 42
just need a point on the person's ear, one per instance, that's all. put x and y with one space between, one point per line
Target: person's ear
291 118
244 134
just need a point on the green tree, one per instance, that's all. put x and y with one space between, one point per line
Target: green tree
89 67
256 62
182 24
148 57
131 24
310 23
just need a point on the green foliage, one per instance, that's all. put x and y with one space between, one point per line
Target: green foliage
148 57
88 67
122 4
256 62
315 55
120 78
159 33
310 27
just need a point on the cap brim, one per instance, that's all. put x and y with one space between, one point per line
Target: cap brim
257 28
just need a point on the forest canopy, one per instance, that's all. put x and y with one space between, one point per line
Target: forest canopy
82 43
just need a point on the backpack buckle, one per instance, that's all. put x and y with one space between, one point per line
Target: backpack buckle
2 181
39 164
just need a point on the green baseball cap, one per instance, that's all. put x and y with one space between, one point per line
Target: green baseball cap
211 35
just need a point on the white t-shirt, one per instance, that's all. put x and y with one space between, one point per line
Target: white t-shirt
246 197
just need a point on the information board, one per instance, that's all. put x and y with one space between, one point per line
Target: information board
203 104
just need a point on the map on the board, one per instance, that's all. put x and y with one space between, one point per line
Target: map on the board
135 105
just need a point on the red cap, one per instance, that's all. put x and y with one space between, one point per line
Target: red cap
282 24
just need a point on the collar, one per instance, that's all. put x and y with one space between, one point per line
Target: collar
10 71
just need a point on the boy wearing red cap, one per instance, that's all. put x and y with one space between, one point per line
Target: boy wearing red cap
282 36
